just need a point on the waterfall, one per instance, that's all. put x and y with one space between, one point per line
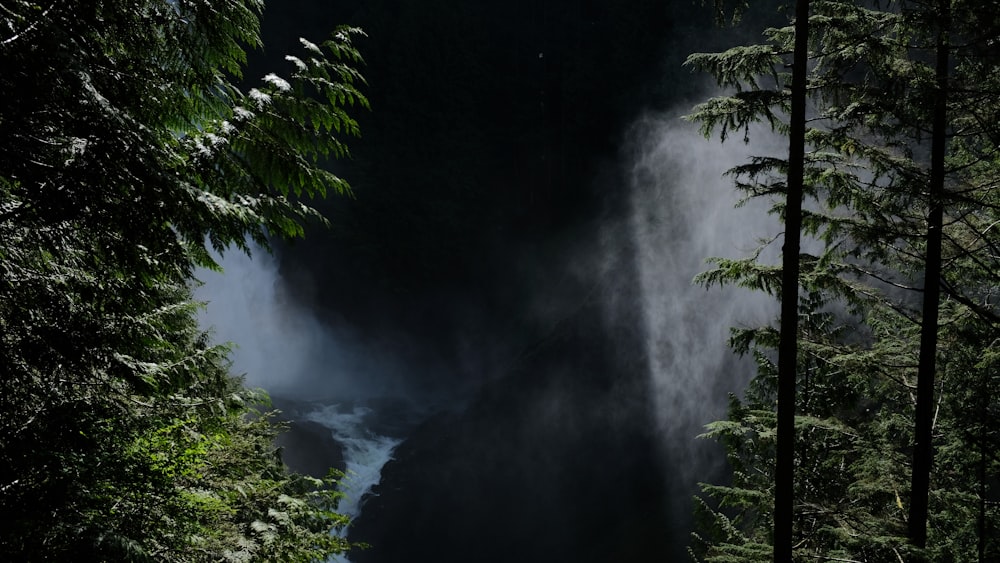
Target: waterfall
282 347
683 211
365 454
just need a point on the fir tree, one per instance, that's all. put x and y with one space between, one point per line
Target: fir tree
869 173
126 149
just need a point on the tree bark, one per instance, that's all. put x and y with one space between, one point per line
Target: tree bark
923 452
788 340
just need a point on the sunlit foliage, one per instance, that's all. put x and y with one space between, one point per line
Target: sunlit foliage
127 150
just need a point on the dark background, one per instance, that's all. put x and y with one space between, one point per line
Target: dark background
489 171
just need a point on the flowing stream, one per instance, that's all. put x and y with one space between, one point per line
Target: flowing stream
283 348
365 454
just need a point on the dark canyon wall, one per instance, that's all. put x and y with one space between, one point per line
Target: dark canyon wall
485 251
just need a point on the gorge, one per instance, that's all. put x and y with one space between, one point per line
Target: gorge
506 304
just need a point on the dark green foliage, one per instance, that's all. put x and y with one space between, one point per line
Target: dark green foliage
126 148
868 169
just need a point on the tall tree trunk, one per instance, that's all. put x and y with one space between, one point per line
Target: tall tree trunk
788 343
923 451
981 474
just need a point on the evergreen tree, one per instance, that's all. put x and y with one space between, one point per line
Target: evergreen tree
784 472
923 447
876 90
126 147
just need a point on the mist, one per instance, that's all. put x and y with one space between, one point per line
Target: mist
683 211
282 346
529 270
319 370
639 267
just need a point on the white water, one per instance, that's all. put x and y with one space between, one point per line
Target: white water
365 454
282 347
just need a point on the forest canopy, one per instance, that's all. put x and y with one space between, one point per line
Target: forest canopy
128 151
